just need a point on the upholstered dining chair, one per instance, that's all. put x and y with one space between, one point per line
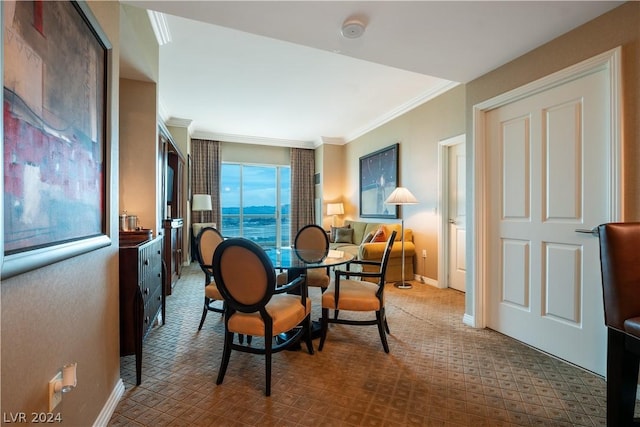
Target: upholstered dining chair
207 241
313 241
346 294
620 264
254 306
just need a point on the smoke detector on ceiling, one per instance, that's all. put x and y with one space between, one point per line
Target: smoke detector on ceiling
352 28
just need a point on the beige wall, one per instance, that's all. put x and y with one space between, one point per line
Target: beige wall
331 165
620 27
68 311
418 132
139 169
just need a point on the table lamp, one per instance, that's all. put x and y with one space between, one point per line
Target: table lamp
335 209
401 196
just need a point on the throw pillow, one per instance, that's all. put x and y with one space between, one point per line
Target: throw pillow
380 235
367 238
332 236
344 235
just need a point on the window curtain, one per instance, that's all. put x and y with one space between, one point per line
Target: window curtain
205 177
302 188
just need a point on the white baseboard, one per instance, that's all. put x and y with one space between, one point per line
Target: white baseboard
110 406
426 280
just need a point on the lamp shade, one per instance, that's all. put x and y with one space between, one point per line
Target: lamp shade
201 202
335 209
401 196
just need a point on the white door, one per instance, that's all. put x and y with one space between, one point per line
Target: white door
457 216
549 175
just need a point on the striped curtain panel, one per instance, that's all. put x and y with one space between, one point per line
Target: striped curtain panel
302 188
205 176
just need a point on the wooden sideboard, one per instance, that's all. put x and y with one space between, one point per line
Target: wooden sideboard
142 295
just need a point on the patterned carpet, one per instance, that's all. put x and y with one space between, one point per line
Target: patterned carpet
439 372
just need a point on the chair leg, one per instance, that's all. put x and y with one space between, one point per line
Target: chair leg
324 326
204 312
226 354
622 376
381 329
267 361
307 335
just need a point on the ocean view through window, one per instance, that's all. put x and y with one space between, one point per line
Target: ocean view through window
255 201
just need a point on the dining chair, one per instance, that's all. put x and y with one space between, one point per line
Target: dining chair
255 306
314 243
358 295
207 241
312 240
620 265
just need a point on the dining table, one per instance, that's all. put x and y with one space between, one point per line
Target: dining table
297 261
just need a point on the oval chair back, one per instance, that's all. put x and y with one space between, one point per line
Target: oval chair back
207 241
313 241
246 278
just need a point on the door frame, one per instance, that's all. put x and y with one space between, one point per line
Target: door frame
477 220
443 206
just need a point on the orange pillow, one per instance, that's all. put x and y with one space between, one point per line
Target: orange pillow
380 235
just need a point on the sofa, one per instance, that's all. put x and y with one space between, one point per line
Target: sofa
353 237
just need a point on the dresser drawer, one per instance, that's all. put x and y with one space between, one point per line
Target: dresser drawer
151 309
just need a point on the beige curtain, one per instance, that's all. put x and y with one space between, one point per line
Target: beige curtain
302 189
205 176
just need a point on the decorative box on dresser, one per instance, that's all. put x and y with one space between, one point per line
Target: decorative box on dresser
142 295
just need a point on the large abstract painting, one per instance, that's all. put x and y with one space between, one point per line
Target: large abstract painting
54 106
378 178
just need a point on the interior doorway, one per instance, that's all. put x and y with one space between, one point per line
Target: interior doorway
547 164
452 236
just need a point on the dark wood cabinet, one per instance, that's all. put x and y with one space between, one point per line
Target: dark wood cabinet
142 295
173 252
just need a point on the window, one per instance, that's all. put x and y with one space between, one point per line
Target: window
255 203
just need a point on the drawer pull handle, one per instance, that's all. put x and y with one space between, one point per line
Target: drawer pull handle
146 291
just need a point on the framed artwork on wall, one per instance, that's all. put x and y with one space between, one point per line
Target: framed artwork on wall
54 134
378 178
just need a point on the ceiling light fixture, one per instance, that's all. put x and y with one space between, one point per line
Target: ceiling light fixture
353 28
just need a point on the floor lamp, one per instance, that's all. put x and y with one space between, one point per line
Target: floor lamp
402 196
201 202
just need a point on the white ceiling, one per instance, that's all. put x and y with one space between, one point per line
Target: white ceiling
279 72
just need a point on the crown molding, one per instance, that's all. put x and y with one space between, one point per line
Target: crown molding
257 140
402 109
178 122
160 27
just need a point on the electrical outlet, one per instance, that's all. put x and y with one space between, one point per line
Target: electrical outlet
424 253
55 397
